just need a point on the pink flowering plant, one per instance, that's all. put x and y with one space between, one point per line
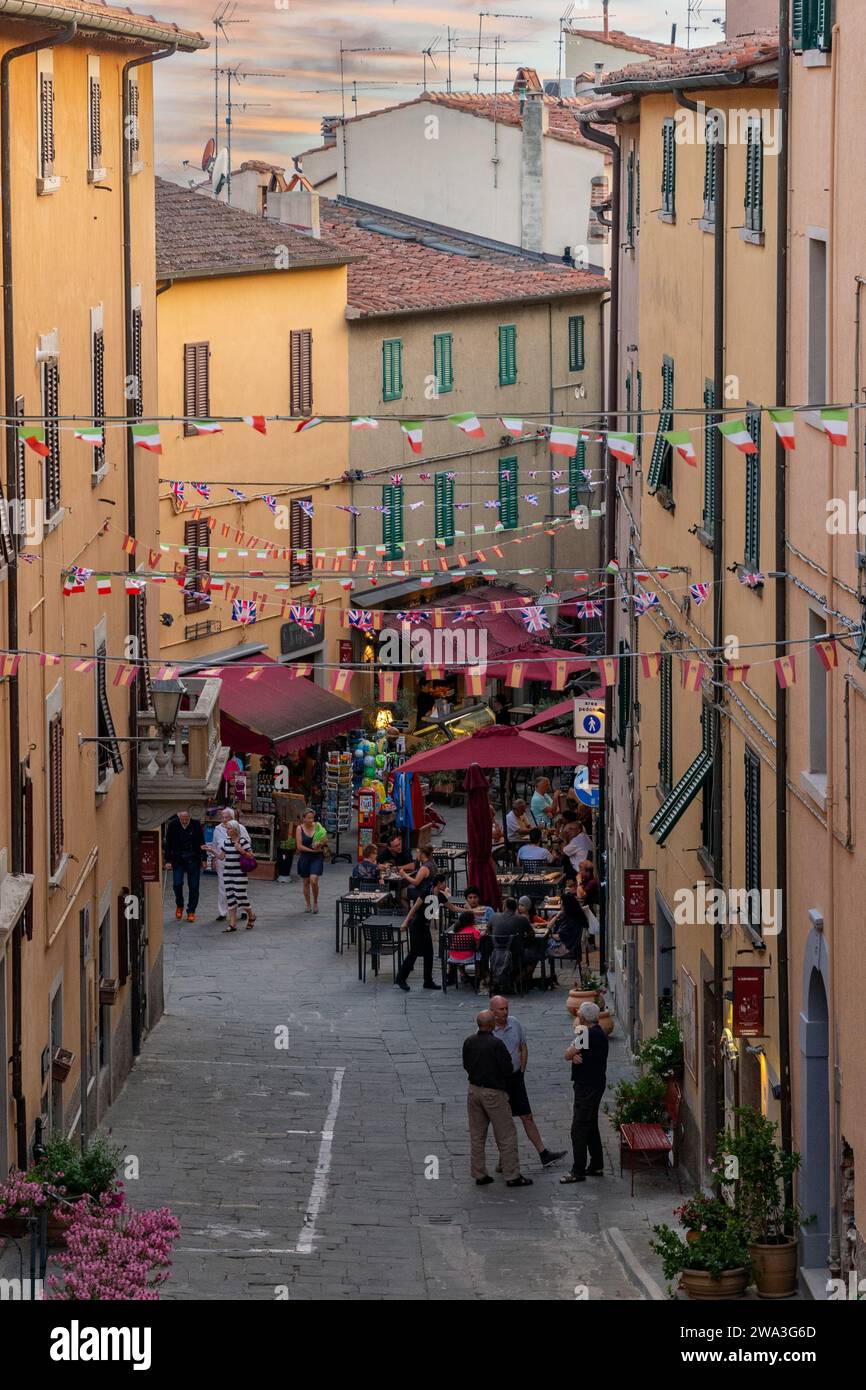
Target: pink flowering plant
22 1196
114 1253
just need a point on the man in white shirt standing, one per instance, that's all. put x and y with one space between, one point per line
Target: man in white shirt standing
220 839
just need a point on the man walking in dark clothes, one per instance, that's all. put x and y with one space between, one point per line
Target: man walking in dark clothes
427 901
184 852
588 1057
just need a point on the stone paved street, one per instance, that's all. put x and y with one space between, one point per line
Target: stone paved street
300 1171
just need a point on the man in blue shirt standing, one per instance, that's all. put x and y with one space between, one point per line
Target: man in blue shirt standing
511 1032
588 1058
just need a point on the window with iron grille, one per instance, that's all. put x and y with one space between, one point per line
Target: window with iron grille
753 836
666 742
301 372
812 25
443 364
754 197
7 525
144 683
392 369
196 384
137 364
508 510
638 405
576 355
630 199
711 462
752 546
55 793
444 507
133 129
107 749
51 410
660 476
47 150
300 539
20 478
97 375
624 691
669 168
392 520
711 167
507 354
576 480
95 125
196 539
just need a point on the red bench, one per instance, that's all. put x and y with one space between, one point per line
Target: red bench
646 1143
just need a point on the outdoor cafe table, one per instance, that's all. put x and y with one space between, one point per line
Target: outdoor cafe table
451 856
370 899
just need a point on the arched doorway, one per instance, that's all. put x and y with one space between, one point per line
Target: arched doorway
813 1185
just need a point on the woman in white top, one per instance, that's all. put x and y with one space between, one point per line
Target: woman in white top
219 841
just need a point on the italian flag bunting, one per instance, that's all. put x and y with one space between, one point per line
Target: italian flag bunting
512 424
681 440
34 437
469 424
736 433
206 426
835 423
90 435
414 432
257 423
783 424
103 583
147 437
622 447
564 441
307 424
364 422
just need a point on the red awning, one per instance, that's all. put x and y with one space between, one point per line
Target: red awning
498 745
278 712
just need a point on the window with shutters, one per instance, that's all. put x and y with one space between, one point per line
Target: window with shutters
754 196
668 209
624 691
443 366
97 377
55 794
812 25
660 476
51 411
108 756
666 740
392 520
817 698
7 528
752 545
507 354
392 369
20 479
94 121
196 384
711 170
47 149
133 126
196 539
508 472
137 401
577 485
629 393
712 444
752 789
630 190
638 405
301 540
444 507
576 359
696 777
145 676
301 372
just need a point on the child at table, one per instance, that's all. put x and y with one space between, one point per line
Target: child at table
367 870
460 960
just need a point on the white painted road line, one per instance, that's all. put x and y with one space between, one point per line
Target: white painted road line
323 1168
633 1264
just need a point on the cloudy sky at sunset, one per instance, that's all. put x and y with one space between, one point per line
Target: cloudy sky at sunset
301 41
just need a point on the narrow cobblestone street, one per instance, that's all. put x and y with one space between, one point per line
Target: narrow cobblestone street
299 1171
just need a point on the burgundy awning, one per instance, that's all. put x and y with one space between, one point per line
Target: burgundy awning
278 712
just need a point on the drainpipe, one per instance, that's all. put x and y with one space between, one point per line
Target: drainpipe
781 594
15 801
136 885
551 495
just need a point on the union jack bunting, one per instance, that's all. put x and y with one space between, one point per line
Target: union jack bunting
178 491
699 592
203 489
353 511
411 615
304 614
752 580
270 502
587 608
534 619
306 507
461 506
424 477
461 614
235 492
244 611
450 477
644 601
531 498
491 503
396 479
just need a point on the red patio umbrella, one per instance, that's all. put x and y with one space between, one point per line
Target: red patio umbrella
481 870
553 712
498 745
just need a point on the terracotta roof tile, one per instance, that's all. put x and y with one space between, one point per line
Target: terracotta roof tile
735 55
630 43
127 19
198 236
392 275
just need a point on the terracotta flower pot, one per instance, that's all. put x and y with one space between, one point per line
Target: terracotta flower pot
697 1283
577 997
775 1269
606 1021
12 1227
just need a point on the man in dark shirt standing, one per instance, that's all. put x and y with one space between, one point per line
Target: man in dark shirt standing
488 1064
588 1058
184 848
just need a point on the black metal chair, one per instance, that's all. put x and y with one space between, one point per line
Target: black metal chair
381 937
460 941
350 912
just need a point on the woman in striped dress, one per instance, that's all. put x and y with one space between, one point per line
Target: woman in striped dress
234 878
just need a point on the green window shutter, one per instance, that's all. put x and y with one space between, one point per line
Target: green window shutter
861 649
444 507
637 192
754 199
392 521
624 691
629 198
798 17
442 362
638 408
711 463
752 548
752 770
823 24
677 802
669 166
507 354
666 745
392 369
629 388
576 360
508 469
660 469
576 483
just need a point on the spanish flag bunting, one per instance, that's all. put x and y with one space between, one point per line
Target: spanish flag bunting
299 672
607 670
650 664
257 422
254 673
434 673
497 606
425 566
560 675
786 671
497 551
438 617
48 659
83 666
443 564
827 653
694 672
514 680
167 673
737 674
339 681
388 683
153 557
473 678
9 664
124 675
130 545
378 617
479 555
208 671
462 561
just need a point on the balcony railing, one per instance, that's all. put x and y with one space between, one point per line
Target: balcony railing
183 770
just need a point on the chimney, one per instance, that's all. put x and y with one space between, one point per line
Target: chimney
535 122
298 209
604 6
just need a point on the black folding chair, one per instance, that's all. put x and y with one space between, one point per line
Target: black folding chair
380 937
460 941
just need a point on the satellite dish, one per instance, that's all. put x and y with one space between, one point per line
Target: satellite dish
220 172
209 155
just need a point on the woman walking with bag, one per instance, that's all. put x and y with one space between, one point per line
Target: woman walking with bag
310 839
238 862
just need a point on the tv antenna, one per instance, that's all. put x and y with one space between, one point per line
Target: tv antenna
428 53
563 21
223 16
343 52
491 14
695 10
239 74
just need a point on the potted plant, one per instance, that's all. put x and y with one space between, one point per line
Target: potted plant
715 1266
76 1174
638 1102
761 1174
701 1213
61 1063
663 1053
20 1198
113 1252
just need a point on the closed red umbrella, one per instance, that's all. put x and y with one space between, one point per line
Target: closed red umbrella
498 745
481 872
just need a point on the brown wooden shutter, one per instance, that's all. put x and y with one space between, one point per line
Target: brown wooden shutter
51 410
122 940
55 792
98 369
301 376
137 364
196 536
300 538
196 383
46 124
95 123
145 681
27 803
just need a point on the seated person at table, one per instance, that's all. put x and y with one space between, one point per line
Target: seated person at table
579 846
367 870
534 952
393 856
541 804
569 925
474 905
533 857
495 828
587 885
517 823
509 926
459 960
